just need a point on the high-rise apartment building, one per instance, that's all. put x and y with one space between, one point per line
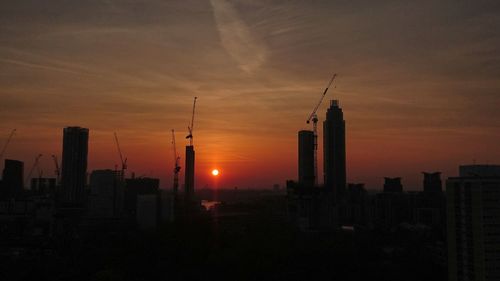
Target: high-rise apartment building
473 223
74 165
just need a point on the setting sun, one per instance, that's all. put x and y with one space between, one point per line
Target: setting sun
215 172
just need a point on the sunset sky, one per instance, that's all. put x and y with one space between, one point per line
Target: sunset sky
418 81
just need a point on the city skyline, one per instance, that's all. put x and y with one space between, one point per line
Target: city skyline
250 140
422 86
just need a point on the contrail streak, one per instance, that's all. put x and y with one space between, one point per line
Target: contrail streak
237 38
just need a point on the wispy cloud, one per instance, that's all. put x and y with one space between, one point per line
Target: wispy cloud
237 38
37 66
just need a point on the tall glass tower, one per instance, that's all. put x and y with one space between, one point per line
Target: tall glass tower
334 150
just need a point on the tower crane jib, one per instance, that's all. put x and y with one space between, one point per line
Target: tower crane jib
314 118
191 126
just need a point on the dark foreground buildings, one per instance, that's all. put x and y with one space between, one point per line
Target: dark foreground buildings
473 208
432 182
106 193
137 187
12 179
393 185
307 176
386 225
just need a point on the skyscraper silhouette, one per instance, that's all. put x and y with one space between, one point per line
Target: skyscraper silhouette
12 177
306 158
74 165
334 150
432 182
393 185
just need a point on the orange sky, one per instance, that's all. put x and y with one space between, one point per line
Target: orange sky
418 83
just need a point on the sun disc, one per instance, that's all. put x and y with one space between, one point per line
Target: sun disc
215 172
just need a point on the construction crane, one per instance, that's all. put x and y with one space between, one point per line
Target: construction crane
123 161
7 143
314 118
35 165
191 127
177 168
57 171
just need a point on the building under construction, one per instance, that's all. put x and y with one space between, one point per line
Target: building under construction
189 173
189 164
311 206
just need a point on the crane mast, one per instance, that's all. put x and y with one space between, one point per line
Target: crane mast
7 143
314 118
123 161
35 165
57 171
191 127
177 168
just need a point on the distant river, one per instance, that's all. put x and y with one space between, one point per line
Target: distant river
209 204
